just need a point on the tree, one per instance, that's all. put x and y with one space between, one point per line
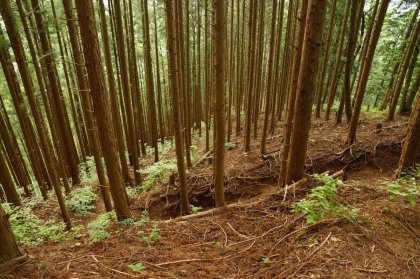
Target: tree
364 75
18 49
219 37
305 88
10 253
176 112
95 73
411 142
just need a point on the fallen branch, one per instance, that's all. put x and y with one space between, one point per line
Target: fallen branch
371 270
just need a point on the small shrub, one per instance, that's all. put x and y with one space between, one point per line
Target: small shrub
98 229
195 209
152 238
322 202
159 171
136 267
230 145
30 230
81 201
87 170
408 186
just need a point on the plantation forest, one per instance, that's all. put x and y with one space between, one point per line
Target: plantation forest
209 139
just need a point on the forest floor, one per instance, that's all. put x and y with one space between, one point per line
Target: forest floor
259 236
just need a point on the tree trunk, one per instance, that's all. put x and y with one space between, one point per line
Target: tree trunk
412 141
305 88
364 76
100 103
404 69
176 113
293 91
320 88
10 253
219 39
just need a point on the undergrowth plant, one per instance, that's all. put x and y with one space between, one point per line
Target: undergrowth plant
87 170
158 172
322 201
30 230
81 201
153 237
98 229
408 186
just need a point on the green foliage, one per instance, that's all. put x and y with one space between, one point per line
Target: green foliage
87 170
81 201
144 219
98 229
407 186
152 238
230 145
136 267
30 230
322 202
195 209
158 172
266 260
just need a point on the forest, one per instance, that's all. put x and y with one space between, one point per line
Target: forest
209 139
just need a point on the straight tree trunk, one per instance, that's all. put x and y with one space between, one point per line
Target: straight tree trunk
364 76
219 39
6 181
270 76
351 46
87 104
293 92
404 68
63 121
149 81
176 113
17 46
305 88
131 136
320 88
412 141
96 77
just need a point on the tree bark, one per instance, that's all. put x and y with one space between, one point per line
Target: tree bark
100 103
366 70
305 88
10 253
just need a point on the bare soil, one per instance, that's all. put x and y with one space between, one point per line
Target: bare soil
264 239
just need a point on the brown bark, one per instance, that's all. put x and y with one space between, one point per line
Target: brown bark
87 104
269 85
364 75
293 92
131 136
412 141
63 121
219 39
320 88
93 63
305 88
404 68
10 253
18 50
176 114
